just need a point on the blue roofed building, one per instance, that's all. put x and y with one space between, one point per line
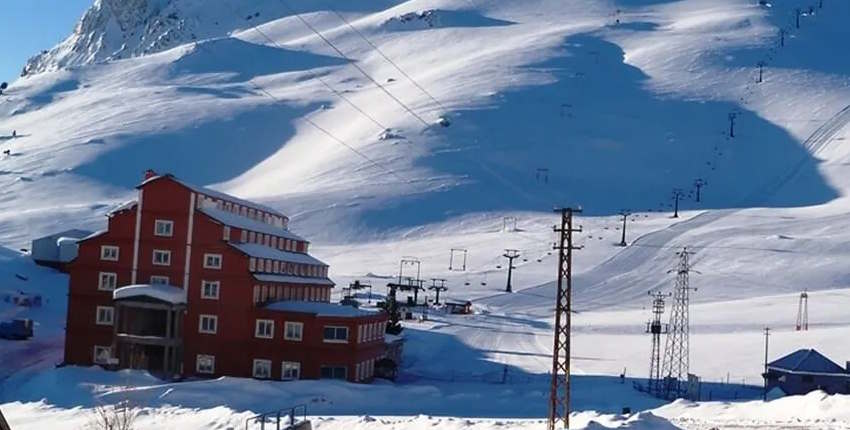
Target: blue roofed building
804 371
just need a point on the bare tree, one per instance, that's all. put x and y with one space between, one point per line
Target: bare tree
118 416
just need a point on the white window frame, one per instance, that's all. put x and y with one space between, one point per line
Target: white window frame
108 310
287 325
108 349
261 361
165 252
336 327
217 285
111 275
201 319
105 248
198 368
209 266
163 222
160 279
290 365
265 324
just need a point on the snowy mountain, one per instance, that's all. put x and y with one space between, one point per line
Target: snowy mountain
118 29
407 128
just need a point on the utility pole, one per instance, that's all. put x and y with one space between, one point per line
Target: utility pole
559 394
732 116
656 329
781 37
761 65
698 184
677 194
438 288
676 351
798 12
766 335
625 213
803 312
511 255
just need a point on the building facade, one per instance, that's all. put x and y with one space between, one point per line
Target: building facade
807 370
187 281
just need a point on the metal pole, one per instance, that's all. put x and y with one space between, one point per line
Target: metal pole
766 336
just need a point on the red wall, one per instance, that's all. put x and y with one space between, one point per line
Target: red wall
234 344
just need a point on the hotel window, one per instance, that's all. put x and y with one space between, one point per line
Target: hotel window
105 315
274 242
102 354
262 369
163 227
212 261
109 253
261 265
264 329
276 267
293 330
334 372
225 235
205 363
252 237
161 257
159 280
107 281
290 370
208 324
209 289
334 334
243 236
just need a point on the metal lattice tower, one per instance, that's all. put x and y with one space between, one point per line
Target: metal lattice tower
656 328
559 395
676 353
803 312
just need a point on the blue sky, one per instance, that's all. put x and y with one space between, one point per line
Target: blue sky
29 26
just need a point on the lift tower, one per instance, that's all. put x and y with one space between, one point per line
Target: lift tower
676 353
656 328
559 394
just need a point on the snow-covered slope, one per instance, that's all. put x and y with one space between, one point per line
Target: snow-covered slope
608 104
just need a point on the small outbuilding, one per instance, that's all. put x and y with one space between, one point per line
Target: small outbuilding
57 249
804 371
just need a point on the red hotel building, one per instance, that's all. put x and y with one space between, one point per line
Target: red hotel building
188 281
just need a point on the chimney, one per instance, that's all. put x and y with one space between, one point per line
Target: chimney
847 366
149 174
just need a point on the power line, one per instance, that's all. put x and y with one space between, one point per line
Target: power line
325 83
385 57
353 63
317 126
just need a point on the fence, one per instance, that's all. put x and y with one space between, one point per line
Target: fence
282 419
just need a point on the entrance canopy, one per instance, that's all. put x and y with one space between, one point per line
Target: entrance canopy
165 293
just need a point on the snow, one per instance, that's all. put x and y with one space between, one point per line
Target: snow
261 251
234 220
289 279
619 114
166 293
321 309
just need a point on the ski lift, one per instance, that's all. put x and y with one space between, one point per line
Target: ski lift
499 266
525 260
539 260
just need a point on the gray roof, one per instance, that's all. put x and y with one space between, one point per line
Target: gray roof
321 309
73 233
262 251
289 279
239 221
214 194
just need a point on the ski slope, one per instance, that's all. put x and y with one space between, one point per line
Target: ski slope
607 104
